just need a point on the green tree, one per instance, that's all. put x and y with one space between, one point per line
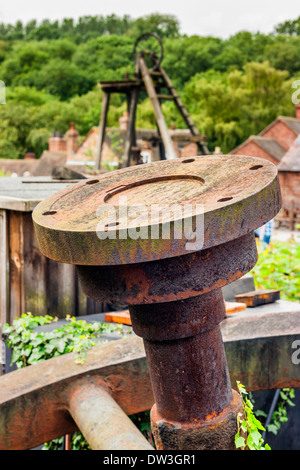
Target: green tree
163 25
185 57
284 53
290 27
231 106
61 78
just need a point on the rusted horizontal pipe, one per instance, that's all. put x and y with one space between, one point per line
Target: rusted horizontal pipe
34 401
103 423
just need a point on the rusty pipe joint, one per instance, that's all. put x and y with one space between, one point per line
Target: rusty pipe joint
189 373
182 338
174 295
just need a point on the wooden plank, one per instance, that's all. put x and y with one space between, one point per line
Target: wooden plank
130 132
189 122
122 86
101 131
122 317
4 265
23 194
292 210
165 97
258 297
4 304
16 265
183 111
234 307
61 289
161 123
35 266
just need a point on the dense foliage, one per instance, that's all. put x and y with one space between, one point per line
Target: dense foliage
232 87
248 436
278 267
30 345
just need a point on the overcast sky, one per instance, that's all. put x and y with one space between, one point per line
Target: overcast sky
220 18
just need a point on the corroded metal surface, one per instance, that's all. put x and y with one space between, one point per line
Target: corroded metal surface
235 194
198 436
170 279
34 401
187 364
98 417
172 289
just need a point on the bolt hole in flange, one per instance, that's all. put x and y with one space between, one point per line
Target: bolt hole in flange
92 181
255 167
111 225
224 199
188 160
49 213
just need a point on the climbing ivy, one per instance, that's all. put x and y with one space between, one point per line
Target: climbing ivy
248 436
30 347
279 416
278 267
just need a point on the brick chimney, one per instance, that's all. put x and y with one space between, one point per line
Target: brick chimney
30 155
57 143
298 111
124 121
71 137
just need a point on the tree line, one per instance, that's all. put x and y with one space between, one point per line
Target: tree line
89 26
232 87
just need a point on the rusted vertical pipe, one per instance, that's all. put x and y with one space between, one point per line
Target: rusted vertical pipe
68 442
186 355
187 365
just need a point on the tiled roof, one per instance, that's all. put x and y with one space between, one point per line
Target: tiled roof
290 122
291 160
270 146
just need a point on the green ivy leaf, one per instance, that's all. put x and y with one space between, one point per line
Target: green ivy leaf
240 442
260 413
35 356
49 348
257 423
272 428
254 437
6 329
60 344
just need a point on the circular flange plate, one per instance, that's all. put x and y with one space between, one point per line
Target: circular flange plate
157 210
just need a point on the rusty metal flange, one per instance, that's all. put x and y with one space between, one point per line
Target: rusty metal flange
178 436
234 194
172 288
170 279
